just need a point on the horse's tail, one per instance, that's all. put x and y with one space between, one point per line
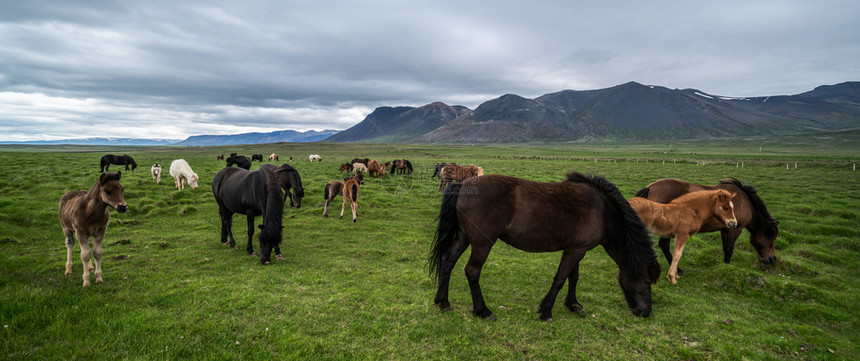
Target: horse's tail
637 242
325 193
354 191
273 214
643 192
446 231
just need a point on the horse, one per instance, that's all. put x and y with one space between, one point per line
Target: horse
439 168
314 157
359 167
401 166
750 211
181 171
289 178
373 166
84 214
573 216
360 160
346 167
335 188
124 159
273 157
252 193
684 216
219 157
257 157
350 194
156 173
240 161
453 172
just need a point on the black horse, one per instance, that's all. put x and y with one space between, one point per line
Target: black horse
360 160
572 216
257 157
288 178
252 193
124 159
240 161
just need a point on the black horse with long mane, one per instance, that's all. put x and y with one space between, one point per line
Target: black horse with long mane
124 159
572 216
240 161
289 178
252 193
750 211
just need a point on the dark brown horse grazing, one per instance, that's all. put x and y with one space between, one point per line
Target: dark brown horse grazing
288 178
453 172
750 212
84 214
684 216
401 166
346 167
124 159
572 216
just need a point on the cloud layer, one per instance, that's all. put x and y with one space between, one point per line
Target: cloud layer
166 69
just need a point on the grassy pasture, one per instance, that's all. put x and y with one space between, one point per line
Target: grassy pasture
362 291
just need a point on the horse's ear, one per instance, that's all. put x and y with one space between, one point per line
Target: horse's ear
103 178
734 194
118 175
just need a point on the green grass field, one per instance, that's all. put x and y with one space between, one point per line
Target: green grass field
362 291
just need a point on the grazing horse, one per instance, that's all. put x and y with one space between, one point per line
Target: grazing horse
572 216
684 216
373 166
750 212
453 172
240 161
273 157
289 178
360 160
257 157
252 193
401 166
156 173
335 188
346 167
439 168
314 157
84 214
220 157
124 159
181 171
359 167
350 194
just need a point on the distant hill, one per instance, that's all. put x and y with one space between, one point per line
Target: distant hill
101 141
630 111
290 136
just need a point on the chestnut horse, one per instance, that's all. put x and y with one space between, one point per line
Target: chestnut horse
335 188
401 166
572 216
84 214
373 166
350 194
453 172
439 168
684 216
750 212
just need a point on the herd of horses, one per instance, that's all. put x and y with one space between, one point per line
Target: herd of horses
572 216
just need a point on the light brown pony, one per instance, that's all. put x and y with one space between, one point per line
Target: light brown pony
453 172
84 214
373 166
335 188
684 216
350 194
359 167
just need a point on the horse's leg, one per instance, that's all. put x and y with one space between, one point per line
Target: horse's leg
354 206
70 245
343 206
664 246
680 242
729 237
573 278
97 255
446 265
84 240
227 227
325 208
250 247
473 275
569 259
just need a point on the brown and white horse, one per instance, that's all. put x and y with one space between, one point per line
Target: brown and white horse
84 214
684 216
350 194
453 172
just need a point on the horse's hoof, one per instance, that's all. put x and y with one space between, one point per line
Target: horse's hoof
225 244
265 263
341 217
445 309
279 257
548 320
491 317
353 220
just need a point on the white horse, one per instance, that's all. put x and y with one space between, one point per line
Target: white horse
273 157
156 173
314 157
359 167
180 170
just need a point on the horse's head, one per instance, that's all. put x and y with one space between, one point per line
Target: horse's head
193 181
724 209
359 177
762 240
111 191
637 289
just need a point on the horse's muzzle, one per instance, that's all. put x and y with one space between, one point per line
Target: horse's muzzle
122 208
732 224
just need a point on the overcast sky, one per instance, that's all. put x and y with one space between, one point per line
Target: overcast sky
172 69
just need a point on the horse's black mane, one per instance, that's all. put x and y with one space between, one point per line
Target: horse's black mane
758 205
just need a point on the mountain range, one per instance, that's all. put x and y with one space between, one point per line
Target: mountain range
289 136
629 111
